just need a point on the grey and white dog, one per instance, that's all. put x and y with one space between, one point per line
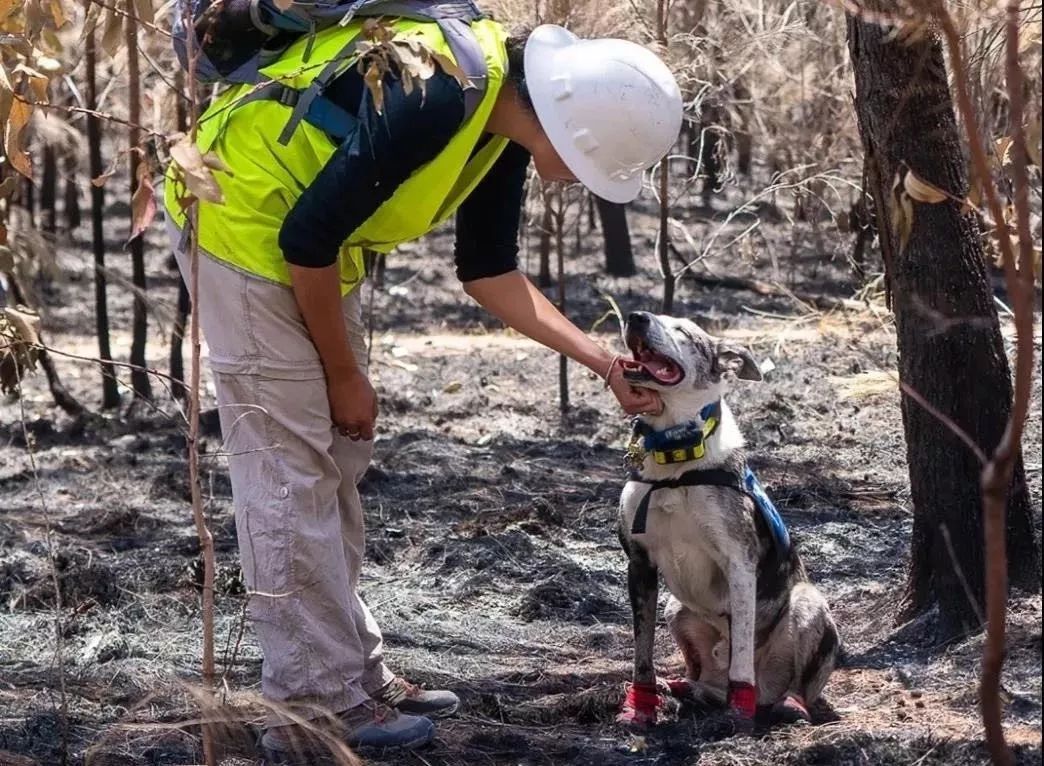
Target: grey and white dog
754 632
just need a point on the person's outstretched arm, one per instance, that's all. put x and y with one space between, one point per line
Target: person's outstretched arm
516 301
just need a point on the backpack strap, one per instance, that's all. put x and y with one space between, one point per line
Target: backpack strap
321 112
308 96
470 58
312 106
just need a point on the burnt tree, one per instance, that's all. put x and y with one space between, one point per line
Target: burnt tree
951 352
49 190
176 361
544 274
110 391
140 382
619 257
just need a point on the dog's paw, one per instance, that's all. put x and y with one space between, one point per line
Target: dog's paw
640 706
791 709
679 688
743 706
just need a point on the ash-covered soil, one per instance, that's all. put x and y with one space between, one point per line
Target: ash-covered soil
492 562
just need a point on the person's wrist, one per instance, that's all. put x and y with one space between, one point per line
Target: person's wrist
600 362
342 371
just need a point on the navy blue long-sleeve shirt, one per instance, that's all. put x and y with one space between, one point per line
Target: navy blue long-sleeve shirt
387 149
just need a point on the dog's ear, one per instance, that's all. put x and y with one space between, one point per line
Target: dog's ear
737 359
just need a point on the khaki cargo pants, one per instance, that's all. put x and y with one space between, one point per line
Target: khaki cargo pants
299 519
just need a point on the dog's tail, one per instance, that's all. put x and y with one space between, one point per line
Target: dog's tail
843 656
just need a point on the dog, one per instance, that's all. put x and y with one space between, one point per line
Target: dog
753 631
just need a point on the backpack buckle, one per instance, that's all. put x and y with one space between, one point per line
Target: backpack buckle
288 96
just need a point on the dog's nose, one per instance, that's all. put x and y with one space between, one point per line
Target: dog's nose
638 319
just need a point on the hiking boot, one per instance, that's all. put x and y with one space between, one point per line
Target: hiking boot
410 698
366 726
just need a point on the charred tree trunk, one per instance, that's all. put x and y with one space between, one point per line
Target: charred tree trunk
140 382
110 392
177 334
27 198
563 360
619 258
544 277
741 133
950 348
663 239
177 337
49 190
71 195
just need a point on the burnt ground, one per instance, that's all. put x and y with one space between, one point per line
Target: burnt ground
492 563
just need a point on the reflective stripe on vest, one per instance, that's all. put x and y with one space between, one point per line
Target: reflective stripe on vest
265 178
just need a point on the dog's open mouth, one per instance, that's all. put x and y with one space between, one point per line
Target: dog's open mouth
650 366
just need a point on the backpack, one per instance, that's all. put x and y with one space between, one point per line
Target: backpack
233 40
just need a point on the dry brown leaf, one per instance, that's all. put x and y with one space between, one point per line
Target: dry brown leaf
38 82
6 6
449 66
375 84
112 35
17 119
145 11
901 212
110 172
922 191
214 162
143 203
414 60
57 13
19 331
197 177
1002 152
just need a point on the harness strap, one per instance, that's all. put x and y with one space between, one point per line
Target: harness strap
746 483
711 477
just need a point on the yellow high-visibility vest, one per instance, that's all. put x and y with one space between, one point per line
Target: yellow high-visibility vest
265 178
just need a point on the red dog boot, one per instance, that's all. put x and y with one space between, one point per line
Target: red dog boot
743 705
639 706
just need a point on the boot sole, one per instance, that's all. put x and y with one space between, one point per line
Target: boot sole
445 712
413 744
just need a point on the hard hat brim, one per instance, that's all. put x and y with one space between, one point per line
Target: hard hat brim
540 63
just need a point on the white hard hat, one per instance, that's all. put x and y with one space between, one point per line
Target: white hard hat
610 108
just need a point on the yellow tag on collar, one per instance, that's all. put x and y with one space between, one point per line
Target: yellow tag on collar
691 452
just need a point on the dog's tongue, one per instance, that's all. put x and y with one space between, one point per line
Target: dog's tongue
660 367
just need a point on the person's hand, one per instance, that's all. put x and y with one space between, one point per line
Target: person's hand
635 401
353 404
